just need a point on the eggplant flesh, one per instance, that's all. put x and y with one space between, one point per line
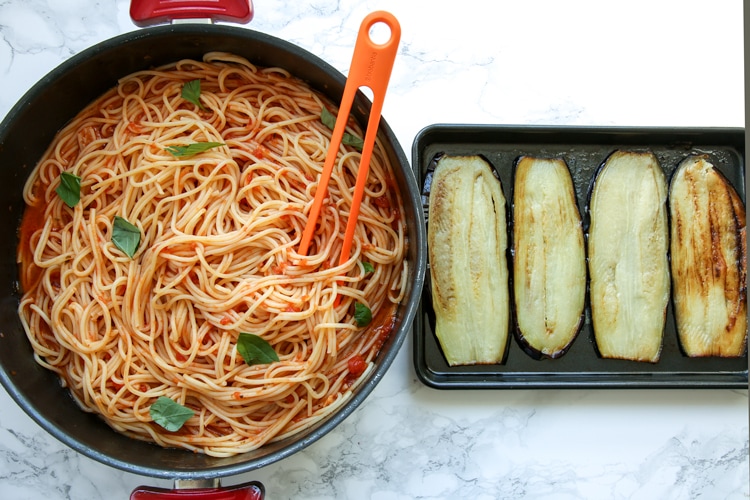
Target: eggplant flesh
628 243
467 244
549 260
709 261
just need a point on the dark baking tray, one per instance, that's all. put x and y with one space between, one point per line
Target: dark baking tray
584 149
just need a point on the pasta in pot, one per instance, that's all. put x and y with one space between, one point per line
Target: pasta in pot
217 256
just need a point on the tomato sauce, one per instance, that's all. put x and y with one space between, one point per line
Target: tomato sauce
32 221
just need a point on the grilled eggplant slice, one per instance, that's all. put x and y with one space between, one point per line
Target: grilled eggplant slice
467 242
628 244
709 261
549 259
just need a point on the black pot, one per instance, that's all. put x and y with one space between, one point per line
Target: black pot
25 134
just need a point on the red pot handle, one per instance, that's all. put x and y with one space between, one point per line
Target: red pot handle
247 491
148 12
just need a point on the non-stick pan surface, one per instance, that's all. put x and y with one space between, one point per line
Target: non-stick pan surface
25 134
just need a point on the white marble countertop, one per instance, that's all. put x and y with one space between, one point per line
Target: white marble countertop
639 63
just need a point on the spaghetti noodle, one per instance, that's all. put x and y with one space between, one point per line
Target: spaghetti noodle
217 256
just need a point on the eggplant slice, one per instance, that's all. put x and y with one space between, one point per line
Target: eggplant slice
549 259
467 244
628 245
709 261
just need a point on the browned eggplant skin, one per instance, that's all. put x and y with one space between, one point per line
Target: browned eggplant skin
708 261
628 242
549 260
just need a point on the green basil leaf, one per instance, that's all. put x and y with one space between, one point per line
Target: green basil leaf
254 350
191 91
125 236
69 189
169 414
368 267
353 141
329 120
362 314
192 149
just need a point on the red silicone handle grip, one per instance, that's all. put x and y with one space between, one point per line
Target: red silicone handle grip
247 491
148 12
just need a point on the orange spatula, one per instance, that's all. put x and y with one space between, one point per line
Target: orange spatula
370 67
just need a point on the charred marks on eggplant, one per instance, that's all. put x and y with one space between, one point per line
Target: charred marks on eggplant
549 262
429 172
708 260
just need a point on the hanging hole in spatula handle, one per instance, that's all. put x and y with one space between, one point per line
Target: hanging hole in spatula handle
375 51
148 12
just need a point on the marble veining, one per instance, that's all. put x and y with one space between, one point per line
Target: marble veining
536 62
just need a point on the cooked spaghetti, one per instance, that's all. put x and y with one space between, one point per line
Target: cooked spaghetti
219 232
